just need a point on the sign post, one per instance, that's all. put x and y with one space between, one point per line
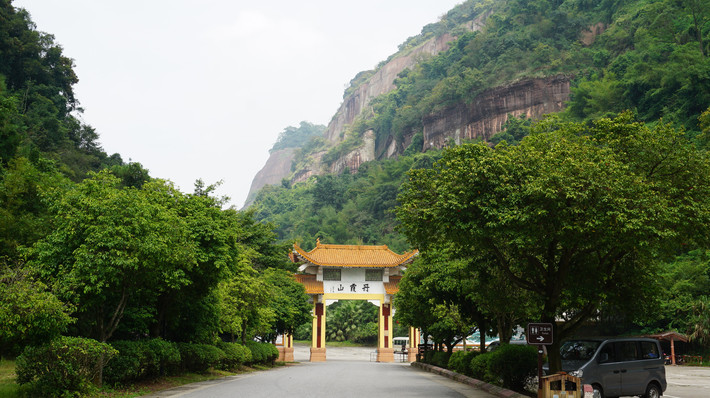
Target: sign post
539 334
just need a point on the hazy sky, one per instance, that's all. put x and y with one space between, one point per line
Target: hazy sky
201 89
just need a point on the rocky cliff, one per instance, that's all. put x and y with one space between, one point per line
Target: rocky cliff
277 167
380 83
487 114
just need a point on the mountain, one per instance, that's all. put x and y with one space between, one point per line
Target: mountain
462 77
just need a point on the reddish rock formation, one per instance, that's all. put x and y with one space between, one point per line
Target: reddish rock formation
487 114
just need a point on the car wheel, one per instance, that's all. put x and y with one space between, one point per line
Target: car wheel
598 392
652 391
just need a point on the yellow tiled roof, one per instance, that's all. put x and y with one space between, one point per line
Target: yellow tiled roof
310 283
352 256
392 286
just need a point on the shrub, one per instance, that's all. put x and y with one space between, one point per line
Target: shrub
440 359
479 367
235 355
163 357
513 364
199 357
126 366
460 362
428 357
67 366
138 360
262 352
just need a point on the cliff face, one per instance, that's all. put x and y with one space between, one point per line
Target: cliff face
380 83
277 167
489 111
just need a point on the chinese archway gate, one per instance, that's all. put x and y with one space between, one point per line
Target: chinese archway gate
352 272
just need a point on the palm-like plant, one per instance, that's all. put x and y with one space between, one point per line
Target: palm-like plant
345 319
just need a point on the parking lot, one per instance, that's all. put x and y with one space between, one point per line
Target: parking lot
687 382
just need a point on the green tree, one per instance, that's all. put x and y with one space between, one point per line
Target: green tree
25 188
110 246
245 311
570 201
346 320
289 301
29 313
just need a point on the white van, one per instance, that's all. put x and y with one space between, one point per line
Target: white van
617 367
400 343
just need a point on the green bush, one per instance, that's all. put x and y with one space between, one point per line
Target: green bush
138 360
126 366
235 355
67 366
163 357
479 367
460 361
262 352
200 357
440 359
513 364
428 357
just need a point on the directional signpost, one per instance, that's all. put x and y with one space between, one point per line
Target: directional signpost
539 334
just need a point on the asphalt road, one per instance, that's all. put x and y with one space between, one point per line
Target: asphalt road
347 373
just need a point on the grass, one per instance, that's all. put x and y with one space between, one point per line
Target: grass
10 389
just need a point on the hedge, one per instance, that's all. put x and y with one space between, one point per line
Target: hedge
235 355
513 364
200 357
144 359
262 352
65 367
460 361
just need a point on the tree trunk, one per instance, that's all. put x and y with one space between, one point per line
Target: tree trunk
553 356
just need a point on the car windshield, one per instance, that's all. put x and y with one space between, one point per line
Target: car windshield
578 350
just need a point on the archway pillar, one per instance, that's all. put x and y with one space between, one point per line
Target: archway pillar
318 341
286 350
385 351
413 349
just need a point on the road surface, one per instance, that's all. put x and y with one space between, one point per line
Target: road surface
347 373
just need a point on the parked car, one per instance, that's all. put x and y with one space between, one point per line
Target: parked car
617 367
494 345
474 341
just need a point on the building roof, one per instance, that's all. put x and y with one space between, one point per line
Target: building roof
668 336
392 287
352 256
310 283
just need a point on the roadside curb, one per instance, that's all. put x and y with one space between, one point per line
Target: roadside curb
490 388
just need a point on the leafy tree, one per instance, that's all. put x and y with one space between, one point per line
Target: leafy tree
29 313
700 324
110 246
599 201
346 321
289 301
245 310
25 187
